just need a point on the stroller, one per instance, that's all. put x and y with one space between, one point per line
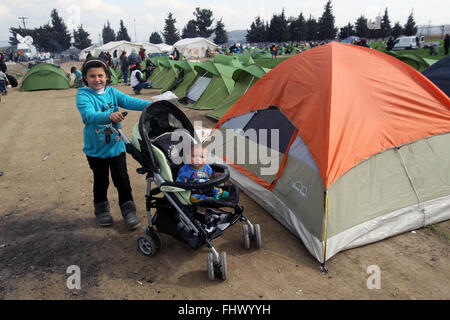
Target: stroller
195 223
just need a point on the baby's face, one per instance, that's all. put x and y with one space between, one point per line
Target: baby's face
199 156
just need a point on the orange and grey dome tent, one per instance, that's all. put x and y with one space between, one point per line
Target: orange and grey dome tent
358 144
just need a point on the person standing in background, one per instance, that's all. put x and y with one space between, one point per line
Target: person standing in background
123 61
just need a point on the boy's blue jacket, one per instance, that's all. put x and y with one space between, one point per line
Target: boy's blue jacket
95 109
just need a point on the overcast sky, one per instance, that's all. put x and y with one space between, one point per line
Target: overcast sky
145 16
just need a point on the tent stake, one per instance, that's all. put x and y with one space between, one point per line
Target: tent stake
323 268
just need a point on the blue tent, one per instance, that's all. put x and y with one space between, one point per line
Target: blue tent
439 74
350 39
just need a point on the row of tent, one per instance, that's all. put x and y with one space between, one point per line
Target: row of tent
233 75
210 85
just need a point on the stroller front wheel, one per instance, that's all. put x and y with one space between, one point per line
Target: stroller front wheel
146 245
157 239
210 265
224 265
258 236
246 236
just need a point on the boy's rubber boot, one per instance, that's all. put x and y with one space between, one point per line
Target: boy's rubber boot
128 210
102 214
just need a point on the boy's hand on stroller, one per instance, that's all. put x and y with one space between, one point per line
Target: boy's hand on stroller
116 117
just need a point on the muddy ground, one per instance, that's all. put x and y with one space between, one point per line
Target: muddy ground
47 224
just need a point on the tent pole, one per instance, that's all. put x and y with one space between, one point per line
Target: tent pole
419 201
323 268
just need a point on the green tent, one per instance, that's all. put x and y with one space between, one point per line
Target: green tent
189 76
417 62
45 76
213 84
244 78
265 54
245 59
119 75
231 60
114 77
166 78
157 73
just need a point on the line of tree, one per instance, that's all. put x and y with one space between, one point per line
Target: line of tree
301 28
282 29
360 28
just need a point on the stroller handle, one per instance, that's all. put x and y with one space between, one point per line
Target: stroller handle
205 185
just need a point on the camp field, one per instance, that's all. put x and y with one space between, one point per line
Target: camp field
47 224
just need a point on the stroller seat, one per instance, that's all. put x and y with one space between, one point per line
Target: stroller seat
168 152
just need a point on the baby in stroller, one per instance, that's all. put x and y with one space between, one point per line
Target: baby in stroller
191 207
199 171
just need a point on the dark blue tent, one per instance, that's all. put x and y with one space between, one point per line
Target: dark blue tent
439 74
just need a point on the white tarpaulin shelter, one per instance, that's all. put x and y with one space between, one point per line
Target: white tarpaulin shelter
164 47
149 47
85 51
194 47
120 46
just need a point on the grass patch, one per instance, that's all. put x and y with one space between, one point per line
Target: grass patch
439 231
270 63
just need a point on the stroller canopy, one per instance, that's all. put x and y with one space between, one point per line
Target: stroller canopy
161 117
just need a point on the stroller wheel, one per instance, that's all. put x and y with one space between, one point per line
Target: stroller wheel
258 236
224 265
156 238
210 265
246 236
146 245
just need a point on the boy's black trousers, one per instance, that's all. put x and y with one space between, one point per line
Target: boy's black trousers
118 167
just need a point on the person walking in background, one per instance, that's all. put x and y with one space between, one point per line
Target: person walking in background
273 51
4 82
176 54
446 43
3 67
123 61
108 59
142 54
390 44
78 77
102 56
115 60
134 58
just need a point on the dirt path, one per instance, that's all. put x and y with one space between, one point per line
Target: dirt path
47 224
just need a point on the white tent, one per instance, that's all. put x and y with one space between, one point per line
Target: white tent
85 51
164 47
120 46
194 47
149 47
